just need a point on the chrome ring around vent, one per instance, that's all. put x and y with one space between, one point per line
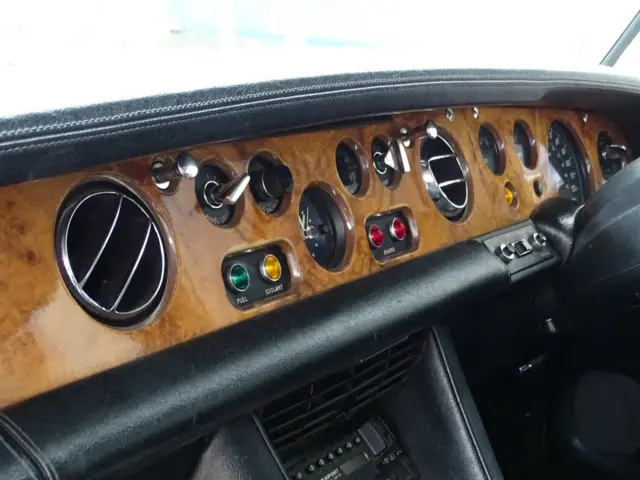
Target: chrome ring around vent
451 208
111 313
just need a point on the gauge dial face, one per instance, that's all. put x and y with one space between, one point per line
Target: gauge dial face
490 150
567 167
386 174
322 227
611 160
522 142
349 169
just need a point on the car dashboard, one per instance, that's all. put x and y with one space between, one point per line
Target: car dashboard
198 279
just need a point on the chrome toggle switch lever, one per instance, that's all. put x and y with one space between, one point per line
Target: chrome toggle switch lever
397 158
227 193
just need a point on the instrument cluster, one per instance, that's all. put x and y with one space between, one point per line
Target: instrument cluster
322 212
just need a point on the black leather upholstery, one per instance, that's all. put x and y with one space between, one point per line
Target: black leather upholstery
603 269
437 421
48 143
556 218
144 409
13 462
238 451
598 425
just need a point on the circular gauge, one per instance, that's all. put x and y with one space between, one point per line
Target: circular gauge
523 144
349 169
611 157
490 150
567 167
322 227
386 174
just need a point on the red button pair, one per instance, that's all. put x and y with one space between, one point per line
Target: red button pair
397 229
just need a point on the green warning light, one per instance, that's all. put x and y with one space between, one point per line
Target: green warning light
238 278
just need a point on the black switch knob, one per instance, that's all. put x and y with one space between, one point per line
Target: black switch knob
272 182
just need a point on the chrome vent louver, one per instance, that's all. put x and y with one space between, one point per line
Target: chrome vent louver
444 177
110 253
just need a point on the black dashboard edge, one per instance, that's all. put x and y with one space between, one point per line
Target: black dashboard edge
39 145
98 426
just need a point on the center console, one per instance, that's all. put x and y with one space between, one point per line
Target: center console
404 413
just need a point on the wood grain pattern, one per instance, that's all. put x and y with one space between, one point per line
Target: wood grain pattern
47 340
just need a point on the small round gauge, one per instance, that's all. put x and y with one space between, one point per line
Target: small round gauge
322 227
567 167
612 157
349 169
490 150
386 174
523 144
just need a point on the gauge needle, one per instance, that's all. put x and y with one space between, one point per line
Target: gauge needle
302 223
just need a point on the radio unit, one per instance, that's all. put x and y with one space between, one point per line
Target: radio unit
368 453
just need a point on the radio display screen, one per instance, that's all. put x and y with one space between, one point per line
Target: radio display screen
352 465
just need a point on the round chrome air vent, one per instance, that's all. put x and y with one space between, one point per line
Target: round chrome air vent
110 253
444 176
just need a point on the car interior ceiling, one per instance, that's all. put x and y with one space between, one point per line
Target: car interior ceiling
384 276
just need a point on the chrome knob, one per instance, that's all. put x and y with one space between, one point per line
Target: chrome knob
614 152
431 130
227 193
163 173
506 253
538 240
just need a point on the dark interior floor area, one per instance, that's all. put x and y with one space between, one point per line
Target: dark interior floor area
522 385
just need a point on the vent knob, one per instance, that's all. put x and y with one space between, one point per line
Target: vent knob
163 173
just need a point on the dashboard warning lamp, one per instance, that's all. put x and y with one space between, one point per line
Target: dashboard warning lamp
509 196
271 269
398 229
376 236
238 278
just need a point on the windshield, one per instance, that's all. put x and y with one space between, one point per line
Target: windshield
58 53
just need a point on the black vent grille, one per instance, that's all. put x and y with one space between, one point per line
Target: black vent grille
110 253
303 415
444 177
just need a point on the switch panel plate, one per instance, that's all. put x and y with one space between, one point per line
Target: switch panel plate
528 258
259 288
391 246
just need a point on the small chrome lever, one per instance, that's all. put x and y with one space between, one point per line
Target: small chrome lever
396 157
228 193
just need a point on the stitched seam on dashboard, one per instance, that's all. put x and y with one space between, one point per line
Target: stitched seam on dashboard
454 389
382 83
152 123
158 122
25 463
29 446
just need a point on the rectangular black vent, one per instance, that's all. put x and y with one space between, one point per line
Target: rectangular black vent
303 415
